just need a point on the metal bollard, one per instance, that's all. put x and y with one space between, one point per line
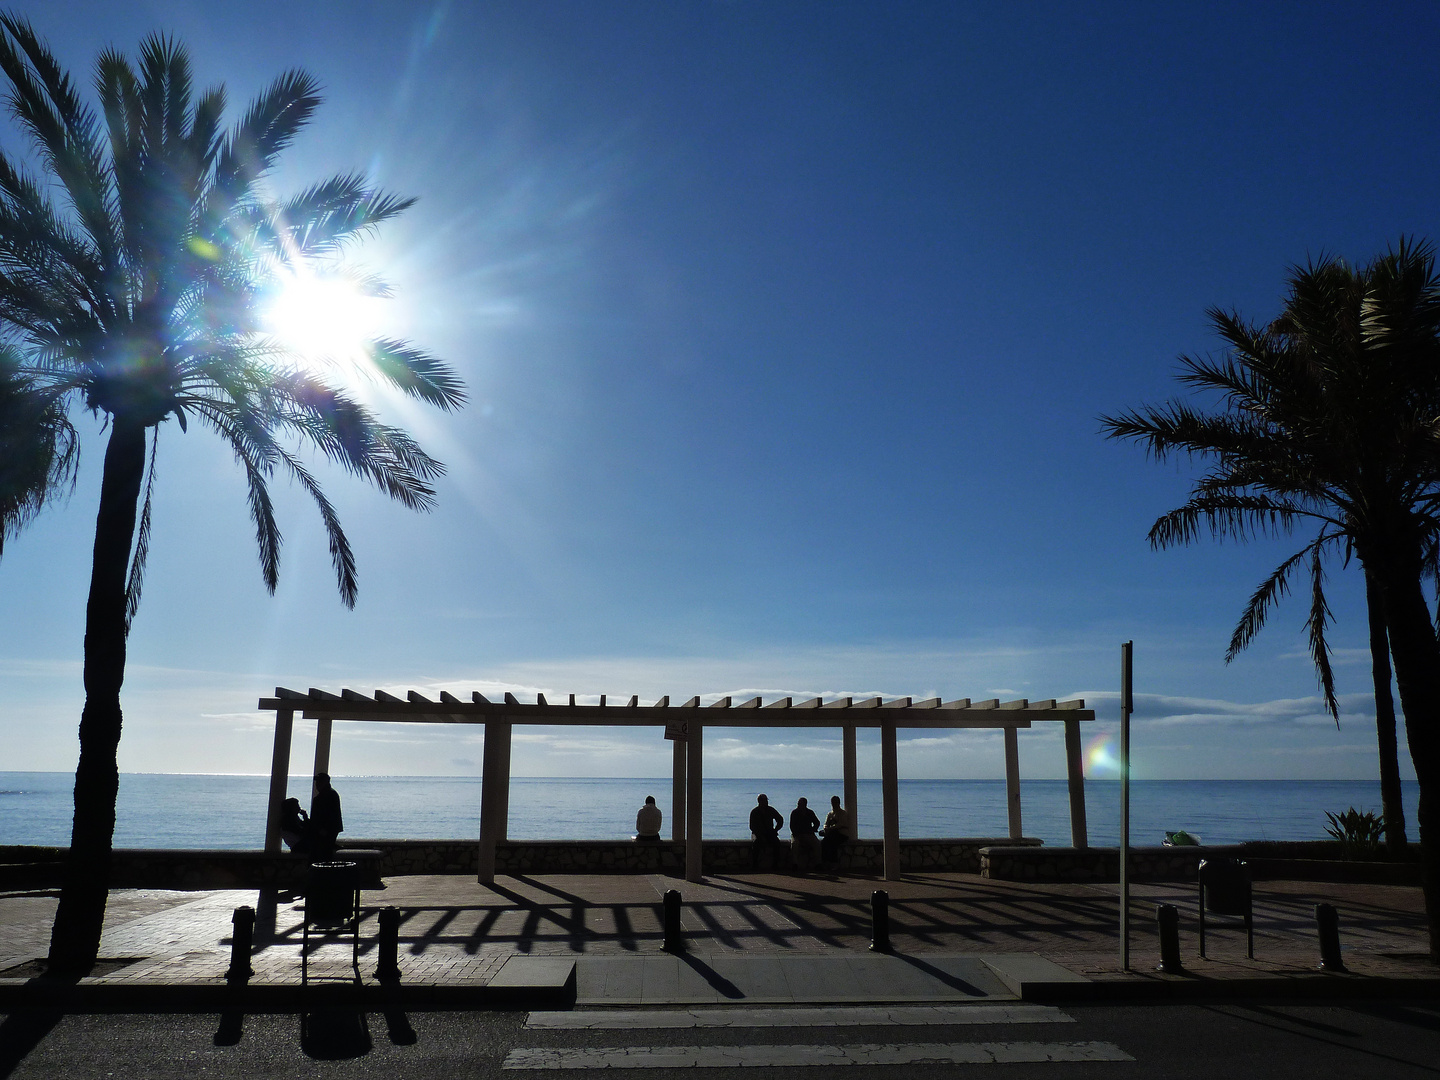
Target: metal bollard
387 946
1168 918
1327 921
673 941
880 921
241 941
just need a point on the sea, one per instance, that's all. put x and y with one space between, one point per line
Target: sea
170 810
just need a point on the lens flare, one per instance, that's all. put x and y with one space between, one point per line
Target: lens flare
322 318
1101 756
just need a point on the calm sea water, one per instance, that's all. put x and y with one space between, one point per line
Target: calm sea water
196 811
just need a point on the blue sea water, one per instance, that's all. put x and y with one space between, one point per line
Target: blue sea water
219 811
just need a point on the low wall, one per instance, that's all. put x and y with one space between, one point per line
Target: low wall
1268 861
40 867
1009 863
34 867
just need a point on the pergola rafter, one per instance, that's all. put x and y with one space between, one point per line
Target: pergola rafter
684 724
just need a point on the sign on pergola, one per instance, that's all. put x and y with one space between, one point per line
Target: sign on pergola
685 725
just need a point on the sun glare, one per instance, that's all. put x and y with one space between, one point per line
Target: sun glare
322 318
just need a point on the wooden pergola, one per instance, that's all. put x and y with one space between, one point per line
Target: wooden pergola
685 725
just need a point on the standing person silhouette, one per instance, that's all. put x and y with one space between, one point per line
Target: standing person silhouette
765 822
325 820
804 847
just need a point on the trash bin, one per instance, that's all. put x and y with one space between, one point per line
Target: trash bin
330 893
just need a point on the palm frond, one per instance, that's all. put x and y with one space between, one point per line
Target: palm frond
65 130
416 373
136 581
1315 624
341 554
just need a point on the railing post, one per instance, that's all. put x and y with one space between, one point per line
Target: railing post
241 941
674 943
880 921
1168 918
1327 922
387 946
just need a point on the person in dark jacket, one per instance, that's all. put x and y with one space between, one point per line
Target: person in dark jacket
325 821
765 822
804 845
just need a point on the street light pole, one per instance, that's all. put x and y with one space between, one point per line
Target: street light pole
1126 705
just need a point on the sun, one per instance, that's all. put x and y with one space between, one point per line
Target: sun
322 318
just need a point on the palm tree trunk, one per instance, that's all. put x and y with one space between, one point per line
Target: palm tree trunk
1417 675
1390 797
75 937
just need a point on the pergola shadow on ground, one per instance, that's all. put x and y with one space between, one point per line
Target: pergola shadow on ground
685 726
580 914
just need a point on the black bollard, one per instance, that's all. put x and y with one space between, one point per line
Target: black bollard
387 946
1168 918
1327 921
673 941
241 941
879 921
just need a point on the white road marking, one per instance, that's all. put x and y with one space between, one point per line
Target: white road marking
727 1057
858 1016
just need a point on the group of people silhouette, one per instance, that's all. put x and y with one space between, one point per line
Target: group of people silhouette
811 844
313 833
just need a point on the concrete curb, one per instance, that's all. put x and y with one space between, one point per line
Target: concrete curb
1319 987
535 983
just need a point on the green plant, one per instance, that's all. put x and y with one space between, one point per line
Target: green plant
1358 833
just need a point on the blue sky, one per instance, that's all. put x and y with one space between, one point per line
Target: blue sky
786 328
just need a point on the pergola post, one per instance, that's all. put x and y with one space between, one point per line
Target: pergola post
279 777
677 790
694 774
1012 781
890 800
494 795
1075 772
852 782
322 747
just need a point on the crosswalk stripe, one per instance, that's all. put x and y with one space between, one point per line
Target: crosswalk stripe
857 1016
722 1057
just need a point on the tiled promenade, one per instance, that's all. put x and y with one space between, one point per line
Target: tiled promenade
744 933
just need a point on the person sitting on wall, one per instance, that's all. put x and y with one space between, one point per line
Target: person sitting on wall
647 821
804 846
765 822
835 834
325 821
293 824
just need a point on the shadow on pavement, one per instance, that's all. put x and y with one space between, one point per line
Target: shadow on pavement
717 981
21 1032
952 981
334 1034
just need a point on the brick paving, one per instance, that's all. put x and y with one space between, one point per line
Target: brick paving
454 931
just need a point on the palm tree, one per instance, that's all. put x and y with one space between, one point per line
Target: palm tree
1331 415
138 295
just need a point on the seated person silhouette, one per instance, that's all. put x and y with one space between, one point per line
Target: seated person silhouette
647 821
835 834
765 821
293 824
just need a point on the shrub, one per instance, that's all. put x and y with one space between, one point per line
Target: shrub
1359 833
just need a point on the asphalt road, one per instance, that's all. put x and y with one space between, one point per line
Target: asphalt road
1393 1040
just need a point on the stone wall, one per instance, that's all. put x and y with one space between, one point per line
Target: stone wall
1009 863
35 867
1268 861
